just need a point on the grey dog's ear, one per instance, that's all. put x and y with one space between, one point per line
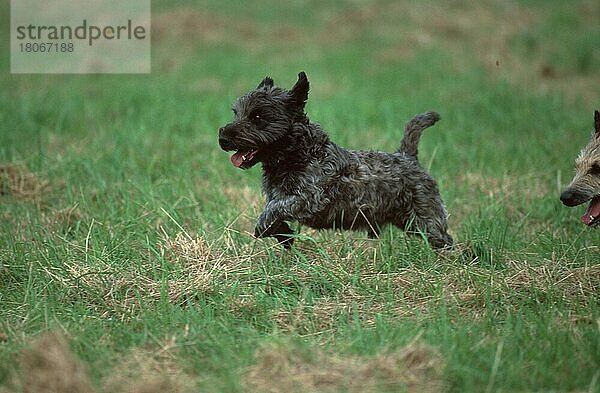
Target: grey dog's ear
266 83
299 93
597 124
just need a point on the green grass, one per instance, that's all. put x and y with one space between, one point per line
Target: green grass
124 228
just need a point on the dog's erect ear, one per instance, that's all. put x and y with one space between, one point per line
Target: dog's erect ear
597 124
266 83
299 93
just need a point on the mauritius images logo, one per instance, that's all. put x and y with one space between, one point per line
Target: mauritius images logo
80 36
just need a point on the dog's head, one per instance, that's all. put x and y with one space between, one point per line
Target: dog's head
585 186
262 119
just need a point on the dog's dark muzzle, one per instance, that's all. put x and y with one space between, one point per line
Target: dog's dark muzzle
224 141
573 198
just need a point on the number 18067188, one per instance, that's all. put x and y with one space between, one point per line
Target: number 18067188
47 47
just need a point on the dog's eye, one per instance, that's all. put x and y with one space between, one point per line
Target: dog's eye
595 169
256 118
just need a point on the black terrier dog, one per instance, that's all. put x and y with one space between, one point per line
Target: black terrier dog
309 179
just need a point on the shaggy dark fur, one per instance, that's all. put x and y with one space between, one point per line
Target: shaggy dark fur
310 179
585 186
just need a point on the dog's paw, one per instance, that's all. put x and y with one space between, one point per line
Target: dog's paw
279 230
263 226
285 241
275 228
260 231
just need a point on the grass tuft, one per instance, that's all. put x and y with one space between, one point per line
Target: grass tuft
18 182
414 368
48 366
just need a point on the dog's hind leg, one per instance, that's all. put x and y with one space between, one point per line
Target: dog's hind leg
429 225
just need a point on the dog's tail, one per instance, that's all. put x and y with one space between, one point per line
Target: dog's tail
413 130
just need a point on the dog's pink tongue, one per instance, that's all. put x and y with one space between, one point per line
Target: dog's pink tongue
237 159
592 213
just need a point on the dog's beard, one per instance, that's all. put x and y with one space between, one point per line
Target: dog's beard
251 151
591 217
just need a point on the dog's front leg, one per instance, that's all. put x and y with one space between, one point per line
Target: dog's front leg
281 231
272 221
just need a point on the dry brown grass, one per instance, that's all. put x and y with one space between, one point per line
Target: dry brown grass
571 284
419 292
147 371
62 221
328 311
47 365
279 368
17 181
198 262
193 267
415 291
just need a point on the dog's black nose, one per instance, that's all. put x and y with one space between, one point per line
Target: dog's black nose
224 141
222 138
569 198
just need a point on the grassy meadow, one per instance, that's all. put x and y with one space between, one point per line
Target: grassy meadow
127 261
